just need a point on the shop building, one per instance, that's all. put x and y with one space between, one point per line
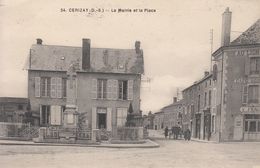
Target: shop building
237 76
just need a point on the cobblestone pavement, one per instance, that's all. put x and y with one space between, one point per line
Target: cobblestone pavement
171 154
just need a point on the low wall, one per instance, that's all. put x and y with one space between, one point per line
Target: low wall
130 133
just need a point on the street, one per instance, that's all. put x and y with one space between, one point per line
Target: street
171 153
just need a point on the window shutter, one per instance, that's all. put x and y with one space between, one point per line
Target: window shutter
53 117
58 115
94 88
130 89
59 87
247 65
115 90
109 89
245 93
53 87
37 86
94 117
109 119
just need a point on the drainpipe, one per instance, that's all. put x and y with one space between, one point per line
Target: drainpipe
221 95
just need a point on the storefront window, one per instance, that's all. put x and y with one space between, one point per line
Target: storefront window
252 123
246 126
252 126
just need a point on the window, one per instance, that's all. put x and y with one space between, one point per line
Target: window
254 65
64 87
45 114
121 116
205 99
101 88
253 93
122 90
252 123
245 92
45 86
199 103
252 126
213 124
20 107
209 97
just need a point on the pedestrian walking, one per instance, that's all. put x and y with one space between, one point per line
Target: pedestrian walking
166 131
188 134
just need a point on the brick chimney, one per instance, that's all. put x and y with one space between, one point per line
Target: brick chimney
226 27
206 73
174 99
39 41
85 54
137 47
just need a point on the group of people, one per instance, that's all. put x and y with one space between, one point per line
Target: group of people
177 132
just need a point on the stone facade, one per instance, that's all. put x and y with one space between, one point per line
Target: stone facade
105 82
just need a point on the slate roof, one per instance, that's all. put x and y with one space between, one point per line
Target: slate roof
59 58
250 36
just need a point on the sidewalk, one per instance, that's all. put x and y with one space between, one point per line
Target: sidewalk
148 144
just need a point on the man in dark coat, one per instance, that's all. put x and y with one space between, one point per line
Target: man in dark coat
166 131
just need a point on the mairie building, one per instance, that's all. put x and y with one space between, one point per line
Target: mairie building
65 82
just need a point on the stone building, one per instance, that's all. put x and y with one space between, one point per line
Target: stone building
15 110
237 77
98 84
197 100
158 120
225 104
148 120
173 114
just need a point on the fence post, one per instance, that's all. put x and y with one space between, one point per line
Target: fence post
29 126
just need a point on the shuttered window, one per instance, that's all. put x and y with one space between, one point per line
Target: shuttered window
245 94
121 116
59 87
64 87
94 88
254 65
37 85
253 94
45 86
56 112
53 87
130 89
114 89
122 90
109 89
101 88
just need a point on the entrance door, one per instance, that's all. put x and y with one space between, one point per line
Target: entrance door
102 120
197 131
207 122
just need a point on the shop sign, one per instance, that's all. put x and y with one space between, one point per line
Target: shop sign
250 110
243 52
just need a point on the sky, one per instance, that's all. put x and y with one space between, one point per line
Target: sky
175 39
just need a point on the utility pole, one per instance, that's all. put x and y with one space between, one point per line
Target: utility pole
211 48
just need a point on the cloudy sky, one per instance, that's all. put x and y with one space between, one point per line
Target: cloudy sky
175 38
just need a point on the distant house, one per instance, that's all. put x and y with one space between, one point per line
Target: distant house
148 120
173 114
16 110
106 82
158 120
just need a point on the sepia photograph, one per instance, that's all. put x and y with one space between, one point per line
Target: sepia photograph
130 84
